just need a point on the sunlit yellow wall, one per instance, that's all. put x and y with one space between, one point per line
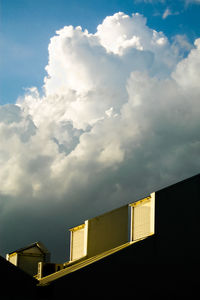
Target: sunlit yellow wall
107 231
27 260
128 223
12 258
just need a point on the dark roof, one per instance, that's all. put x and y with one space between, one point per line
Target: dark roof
134 271
181 182
15 283
36 244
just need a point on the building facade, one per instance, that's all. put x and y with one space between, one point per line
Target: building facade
27 258
148 248
126 224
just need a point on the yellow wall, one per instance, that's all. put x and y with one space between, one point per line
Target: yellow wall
114 228
27 259
12 258
107 231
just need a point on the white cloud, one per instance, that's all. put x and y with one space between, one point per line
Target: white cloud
187 72
119 117
166 13
181 45
120 33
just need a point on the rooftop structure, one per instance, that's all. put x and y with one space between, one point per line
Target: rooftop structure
105 234
27 258
171 215
148 247
128 223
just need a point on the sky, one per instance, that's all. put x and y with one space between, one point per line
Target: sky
99 106
26 27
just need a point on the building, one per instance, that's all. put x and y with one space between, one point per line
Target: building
16 284
27 258
148 248
177 222
126 224
103 235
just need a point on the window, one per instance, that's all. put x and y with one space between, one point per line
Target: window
77 242
142 218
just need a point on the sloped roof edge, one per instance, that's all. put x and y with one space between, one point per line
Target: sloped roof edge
35 244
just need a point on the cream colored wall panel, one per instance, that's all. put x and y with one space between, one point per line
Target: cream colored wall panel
13 259
141 221
77 247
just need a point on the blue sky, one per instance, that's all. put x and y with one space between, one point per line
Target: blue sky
26 27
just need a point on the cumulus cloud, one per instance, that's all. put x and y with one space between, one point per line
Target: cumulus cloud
119 118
